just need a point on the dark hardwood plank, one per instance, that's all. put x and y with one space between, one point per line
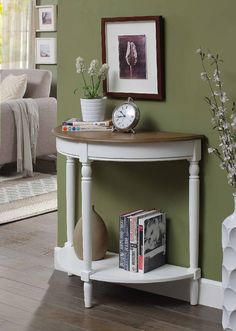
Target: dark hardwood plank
10 326
21 289
34 297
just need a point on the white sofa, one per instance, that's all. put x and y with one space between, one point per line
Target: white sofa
38 88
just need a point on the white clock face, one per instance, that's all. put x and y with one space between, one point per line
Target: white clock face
124 116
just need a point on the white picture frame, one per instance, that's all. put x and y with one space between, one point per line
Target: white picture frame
46 18
45 51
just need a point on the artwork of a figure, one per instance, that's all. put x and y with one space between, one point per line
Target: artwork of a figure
132 56
47 17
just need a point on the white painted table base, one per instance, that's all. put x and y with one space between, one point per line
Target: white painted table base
107 269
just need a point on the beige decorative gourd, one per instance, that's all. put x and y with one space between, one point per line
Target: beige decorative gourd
99 237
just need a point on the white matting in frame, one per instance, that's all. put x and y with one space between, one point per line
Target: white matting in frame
114 82
46 18
45 51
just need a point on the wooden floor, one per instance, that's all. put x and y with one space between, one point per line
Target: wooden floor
34 297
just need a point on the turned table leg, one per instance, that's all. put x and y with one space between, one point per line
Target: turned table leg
87 231
70 201
194 229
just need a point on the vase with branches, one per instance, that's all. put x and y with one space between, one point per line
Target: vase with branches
223 115
224 121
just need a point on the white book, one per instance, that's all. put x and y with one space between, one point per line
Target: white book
134 221
152 242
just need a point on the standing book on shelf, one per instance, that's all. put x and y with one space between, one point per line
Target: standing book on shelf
134 222
124 239
152 242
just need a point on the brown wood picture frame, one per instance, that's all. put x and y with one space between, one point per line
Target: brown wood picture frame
133 47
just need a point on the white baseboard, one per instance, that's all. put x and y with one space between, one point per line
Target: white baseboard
210 291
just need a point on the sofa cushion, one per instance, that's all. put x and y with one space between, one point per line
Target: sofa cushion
38 81
13 87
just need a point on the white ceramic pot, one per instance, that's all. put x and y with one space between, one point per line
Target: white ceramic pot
229 271
93 110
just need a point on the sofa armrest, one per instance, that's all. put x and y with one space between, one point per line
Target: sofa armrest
46 143
47 121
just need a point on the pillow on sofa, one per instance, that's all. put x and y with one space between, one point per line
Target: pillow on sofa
13 87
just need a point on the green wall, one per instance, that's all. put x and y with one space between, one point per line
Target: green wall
121 187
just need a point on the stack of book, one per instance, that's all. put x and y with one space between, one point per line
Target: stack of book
142 240
76 124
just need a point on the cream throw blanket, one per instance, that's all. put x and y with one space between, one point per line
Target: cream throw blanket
27 126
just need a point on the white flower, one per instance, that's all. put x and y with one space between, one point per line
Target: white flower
226 126
216 76
93 68
204 76
211 150
223 97
91 85
199 51
210 56
233 123
103 71
79 65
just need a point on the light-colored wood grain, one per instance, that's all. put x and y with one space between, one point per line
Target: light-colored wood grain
125 138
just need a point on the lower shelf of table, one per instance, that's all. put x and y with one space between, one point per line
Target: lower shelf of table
108 270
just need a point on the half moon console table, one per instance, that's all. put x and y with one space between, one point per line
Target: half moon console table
88 147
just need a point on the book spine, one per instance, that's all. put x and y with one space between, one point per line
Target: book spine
126 243
121 244
133 244
133 257
86 124
104 124
140 249
79 128
70 128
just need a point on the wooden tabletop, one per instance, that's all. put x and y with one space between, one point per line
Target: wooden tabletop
124 138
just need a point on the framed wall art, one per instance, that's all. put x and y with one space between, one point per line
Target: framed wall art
133 47
45 50
46 18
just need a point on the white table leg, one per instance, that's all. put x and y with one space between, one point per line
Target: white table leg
88 294
194 228
70 200
87 231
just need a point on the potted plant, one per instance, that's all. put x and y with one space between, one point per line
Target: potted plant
93 105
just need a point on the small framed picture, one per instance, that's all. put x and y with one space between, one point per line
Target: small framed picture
45 50
46 18
133 47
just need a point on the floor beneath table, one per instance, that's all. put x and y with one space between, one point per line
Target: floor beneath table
34 297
